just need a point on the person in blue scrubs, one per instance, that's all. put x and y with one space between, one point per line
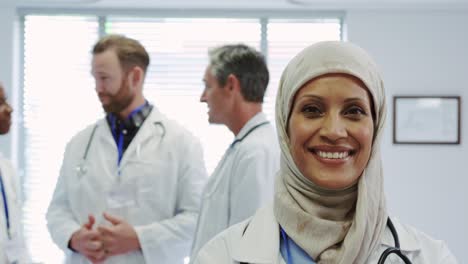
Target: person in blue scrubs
329 204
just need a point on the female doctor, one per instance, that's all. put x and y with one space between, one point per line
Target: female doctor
12 246
329 205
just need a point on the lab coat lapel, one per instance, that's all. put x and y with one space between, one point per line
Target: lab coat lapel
408 242
148 131
259 242
11 198
106 140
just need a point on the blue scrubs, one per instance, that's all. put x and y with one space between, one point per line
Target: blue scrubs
291 252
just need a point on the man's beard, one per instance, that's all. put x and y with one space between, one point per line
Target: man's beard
121 100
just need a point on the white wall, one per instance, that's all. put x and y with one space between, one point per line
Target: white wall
422 53
419 53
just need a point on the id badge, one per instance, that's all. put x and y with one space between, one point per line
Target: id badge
122 195
16 252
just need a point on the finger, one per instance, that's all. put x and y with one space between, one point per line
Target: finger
90 223
96 257
105 231
91 234
114 220
94 245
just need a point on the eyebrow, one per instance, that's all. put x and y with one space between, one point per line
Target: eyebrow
320 98
354 99
312 96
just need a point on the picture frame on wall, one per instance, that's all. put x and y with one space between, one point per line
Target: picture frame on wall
426 119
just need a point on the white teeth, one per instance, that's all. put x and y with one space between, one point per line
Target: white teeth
333 155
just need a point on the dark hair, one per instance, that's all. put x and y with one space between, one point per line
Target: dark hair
244 62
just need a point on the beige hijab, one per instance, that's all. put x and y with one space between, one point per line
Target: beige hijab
332 226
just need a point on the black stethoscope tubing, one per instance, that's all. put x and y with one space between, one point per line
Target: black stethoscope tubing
391 250
81 169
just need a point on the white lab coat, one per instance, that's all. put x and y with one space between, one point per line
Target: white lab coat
165 164
13 196
257 241
242 182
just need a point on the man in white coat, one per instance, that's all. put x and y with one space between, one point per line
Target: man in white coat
235 83
12 244
129 187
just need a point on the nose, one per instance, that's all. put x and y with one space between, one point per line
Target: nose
203 97
99 86
7 108
333 128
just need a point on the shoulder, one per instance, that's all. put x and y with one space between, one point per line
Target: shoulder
172 128
220 248
253 240
421 247
85 134
8 174
263 141
5 164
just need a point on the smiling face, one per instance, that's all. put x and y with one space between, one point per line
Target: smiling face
331 130
217 99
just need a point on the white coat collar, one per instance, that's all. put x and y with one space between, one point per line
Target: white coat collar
259 241
256 120
408 241
155 125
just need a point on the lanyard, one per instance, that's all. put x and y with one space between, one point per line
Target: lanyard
120 138
5 206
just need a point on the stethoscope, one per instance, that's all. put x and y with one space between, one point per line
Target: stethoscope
82 169
248 132
391 250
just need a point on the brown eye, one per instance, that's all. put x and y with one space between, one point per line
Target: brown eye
311 110
355 112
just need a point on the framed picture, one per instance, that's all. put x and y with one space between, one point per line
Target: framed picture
426 119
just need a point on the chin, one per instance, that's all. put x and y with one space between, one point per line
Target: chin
334 182
4 131
108 108
213 121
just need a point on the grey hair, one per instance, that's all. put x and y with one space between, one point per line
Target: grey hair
246 64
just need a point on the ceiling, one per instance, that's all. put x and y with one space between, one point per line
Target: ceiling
246 4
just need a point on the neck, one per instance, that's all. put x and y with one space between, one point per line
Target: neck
243 113
138 101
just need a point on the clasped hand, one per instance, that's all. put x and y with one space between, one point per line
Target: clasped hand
99 243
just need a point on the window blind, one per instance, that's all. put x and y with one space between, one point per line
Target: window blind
59 98
58 101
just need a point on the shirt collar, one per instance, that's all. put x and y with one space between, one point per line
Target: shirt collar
135 119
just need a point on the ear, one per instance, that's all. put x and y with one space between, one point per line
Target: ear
136 76
233 83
